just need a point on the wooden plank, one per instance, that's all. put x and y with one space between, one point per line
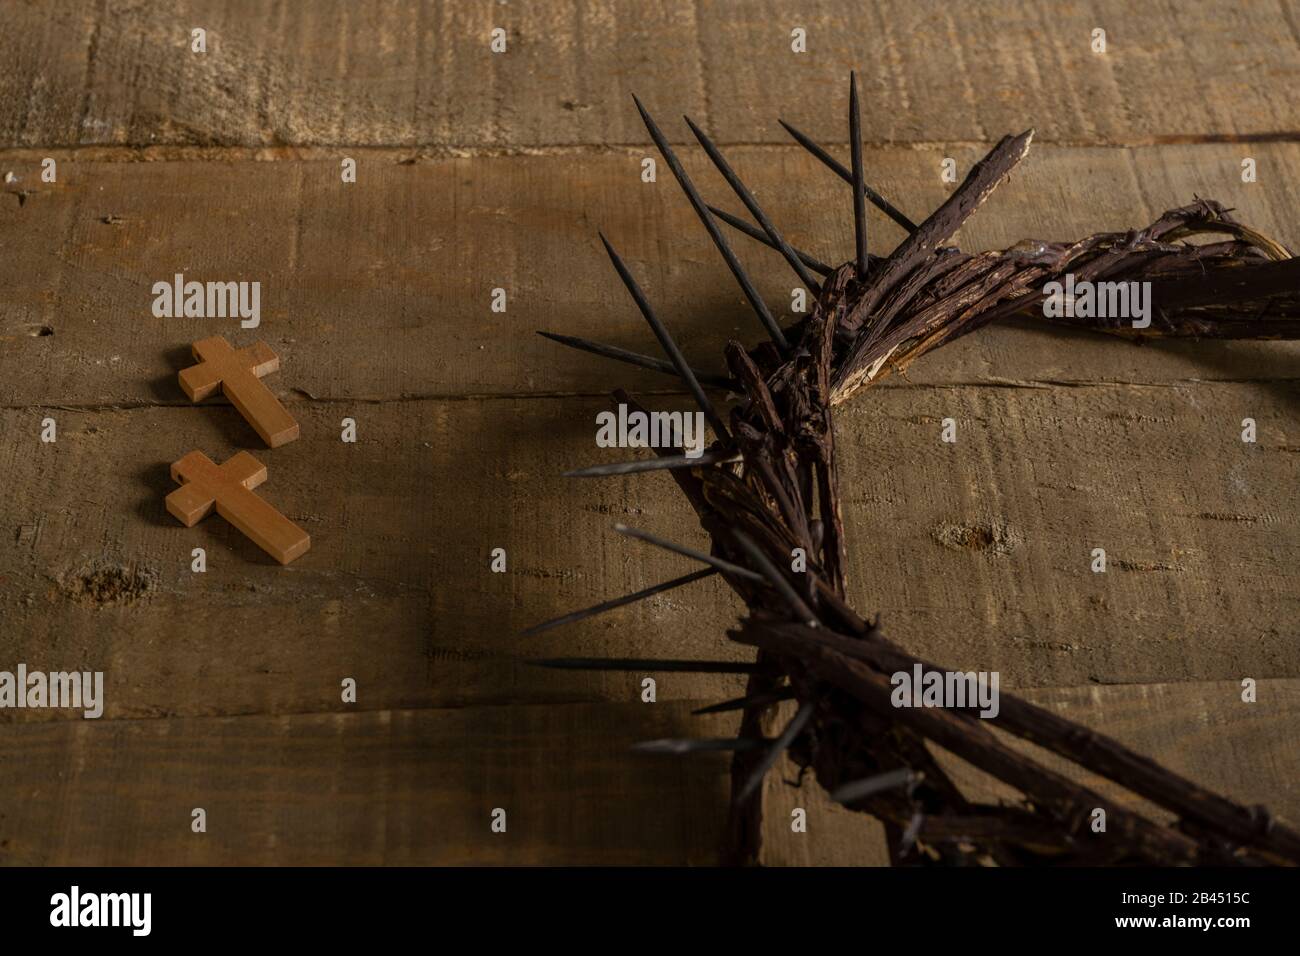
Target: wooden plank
384 787
417 787
1201 730
420 74
978 554
377 296
396 590
383 288
1191 519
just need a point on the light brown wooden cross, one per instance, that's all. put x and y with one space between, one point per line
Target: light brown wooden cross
238 374
204 484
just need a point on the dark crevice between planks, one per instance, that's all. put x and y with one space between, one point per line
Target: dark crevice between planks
302 397
408 153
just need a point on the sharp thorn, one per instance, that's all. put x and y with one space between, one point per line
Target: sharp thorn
744 703
701 210
635 358
859 789
669 346
792 730
839 169
702 745
735 222
859 195
719 563
774 577
908 839
617 602
755 210
655 464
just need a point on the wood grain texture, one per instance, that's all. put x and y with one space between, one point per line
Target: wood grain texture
420 74
383 787
418 787
478 172
382 289
977 553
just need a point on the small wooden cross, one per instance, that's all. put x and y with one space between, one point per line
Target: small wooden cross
239 374
204 484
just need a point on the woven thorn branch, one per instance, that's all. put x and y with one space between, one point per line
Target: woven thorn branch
768 484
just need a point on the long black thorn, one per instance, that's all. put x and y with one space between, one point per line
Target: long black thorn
856 790
636 358
775 578
859 197
908 839
755 300
839 169
681 549
644 664
740 225
713 457
669 346
744 703
755 209
792 730
700 745
603 606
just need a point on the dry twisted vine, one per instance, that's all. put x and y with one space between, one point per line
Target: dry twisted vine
768 485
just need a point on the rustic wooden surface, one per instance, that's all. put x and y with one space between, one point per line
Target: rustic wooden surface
476 172
420 74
